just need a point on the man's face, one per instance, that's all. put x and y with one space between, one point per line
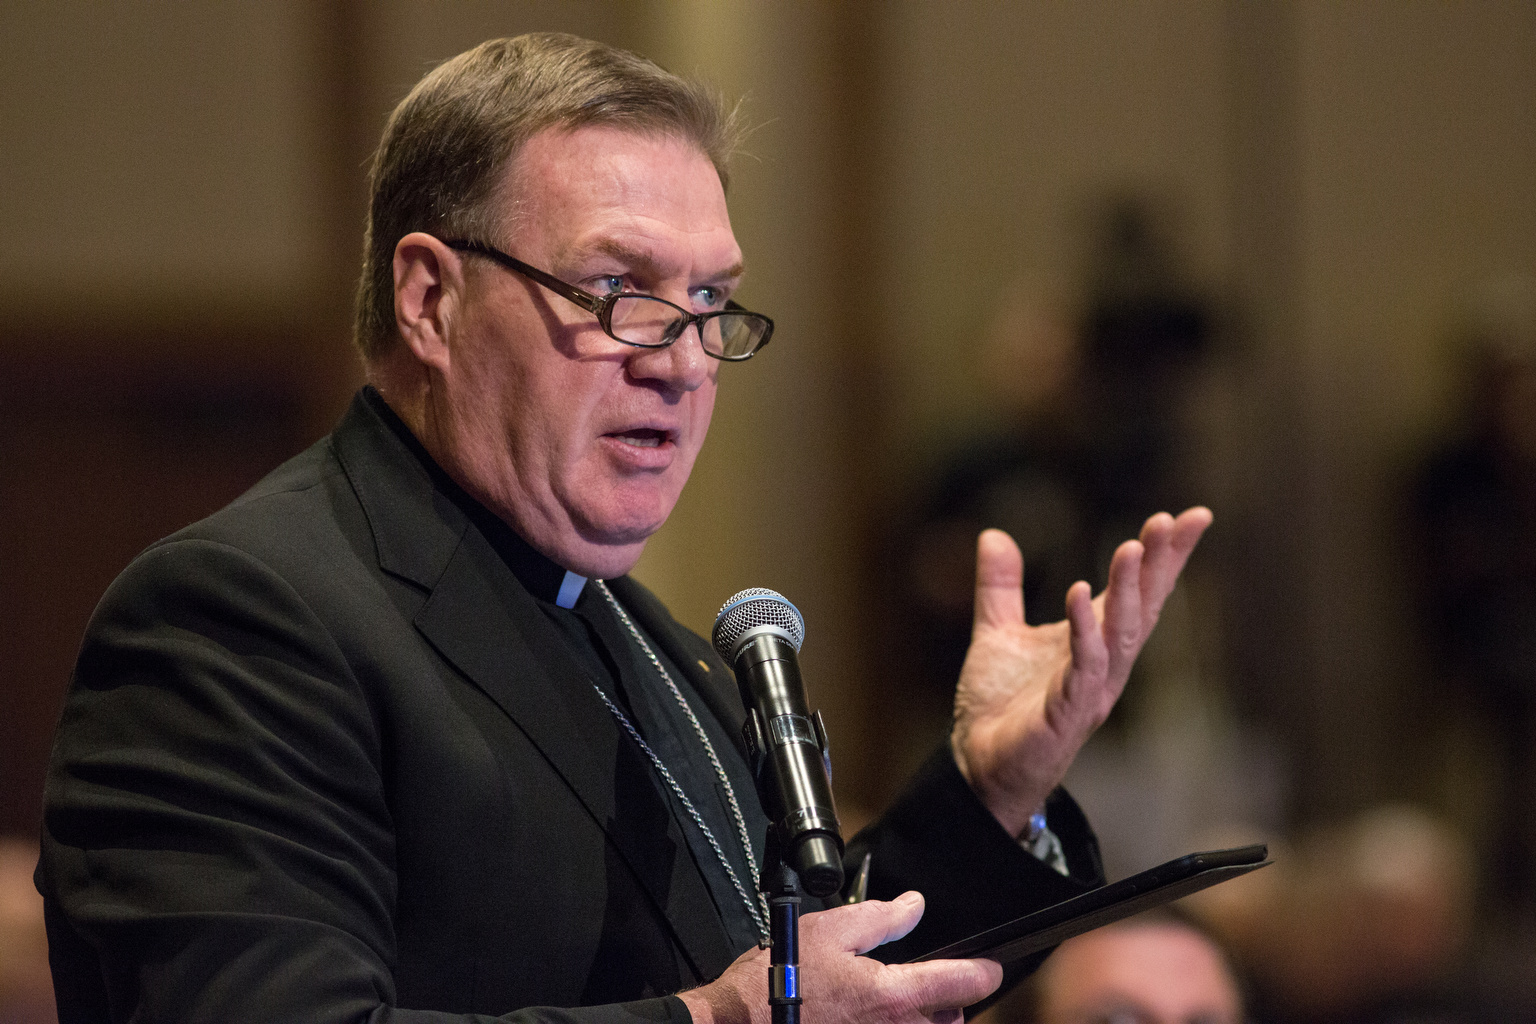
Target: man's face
1139 974
582 443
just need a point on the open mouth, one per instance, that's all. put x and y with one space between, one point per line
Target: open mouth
643 437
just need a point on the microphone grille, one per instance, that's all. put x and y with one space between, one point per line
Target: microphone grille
756 606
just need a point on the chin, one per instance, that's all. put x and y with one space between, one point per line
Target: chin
602 559
610 563
611 534
612 550
624 519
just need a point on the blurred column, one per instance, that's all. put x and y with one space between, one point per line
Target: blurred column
1267 548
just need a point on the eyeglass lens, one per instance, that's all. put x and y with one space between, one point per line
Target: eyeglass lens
643 320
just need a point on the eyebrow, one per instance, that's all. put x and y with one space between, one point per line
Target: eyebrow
645 262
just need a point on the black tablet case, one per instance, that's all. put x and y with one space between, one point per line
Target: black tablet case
1008 943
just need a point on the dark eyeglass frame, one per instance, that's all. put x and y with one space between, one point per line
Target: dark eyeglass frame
602 305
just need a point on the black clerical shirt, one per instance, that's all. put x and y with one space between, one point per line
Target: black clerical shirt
604 646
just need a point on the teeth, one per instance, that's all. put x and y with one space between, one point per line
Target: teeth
640 442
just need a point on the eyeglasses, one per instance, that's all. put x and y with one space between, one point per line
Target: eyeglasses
645 321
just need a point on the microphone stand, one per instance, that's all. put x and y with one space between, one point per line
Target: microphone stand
781 884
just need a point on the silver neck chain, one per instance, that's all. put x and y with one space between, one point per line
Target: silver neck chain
757 908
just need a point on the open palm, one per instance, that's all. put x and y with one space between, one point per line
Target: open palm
1030 696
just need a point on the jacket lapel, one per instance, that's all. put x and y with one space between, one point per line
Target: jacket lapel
710 676
479 617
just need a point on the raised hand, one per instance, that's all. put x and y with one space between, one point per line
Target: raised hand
1030 696
843 987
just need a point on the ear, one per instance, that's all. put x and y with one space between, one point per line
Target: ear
429 288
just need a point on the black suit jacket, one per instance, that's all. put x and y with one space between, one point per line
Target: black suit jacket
324 759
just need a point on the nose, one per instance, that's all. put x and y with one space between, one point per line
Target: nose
682 366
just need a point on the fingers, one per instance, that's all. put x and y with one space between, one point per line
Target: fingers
1168 542
999 580
1189 527
1141 576
938 986
1090 658
843 987
1123 624
860 927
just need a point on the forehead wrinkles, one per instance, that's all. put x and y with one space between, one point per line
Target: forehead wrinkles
578 189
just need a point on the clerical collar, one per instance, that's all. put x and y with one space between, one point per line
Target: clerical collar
542 577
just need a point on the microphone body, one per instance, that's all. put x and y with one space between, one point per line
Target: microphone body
758 633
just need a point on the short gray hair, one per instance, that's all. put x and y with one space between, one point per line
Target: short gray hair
448 143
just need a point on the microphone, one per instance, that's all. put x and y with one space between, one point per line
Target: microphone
758 633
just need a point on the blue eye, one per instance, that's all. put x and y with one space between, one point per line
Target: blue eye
607 284
708 297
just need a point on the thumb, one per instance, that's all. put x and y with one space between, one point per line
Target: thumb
860 927
999 581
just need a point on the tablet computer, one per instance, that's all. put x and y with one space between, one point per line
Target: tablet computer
1008 943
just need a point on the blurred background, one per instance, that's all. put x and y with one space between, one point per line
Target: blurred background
1037 265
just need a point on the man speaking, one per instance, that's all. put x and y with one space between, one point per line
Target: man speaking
393 737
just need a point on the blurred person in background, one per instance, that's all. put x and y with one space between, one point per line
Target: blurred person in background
1093 386
1475 509
1156 968
1366 921
1086 441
